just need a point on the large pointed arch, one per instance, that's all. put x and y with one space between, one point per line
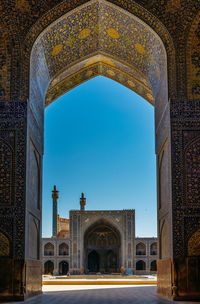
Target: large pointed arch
100 38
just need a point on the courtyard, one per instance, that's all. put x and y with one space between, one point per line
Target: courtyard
75 294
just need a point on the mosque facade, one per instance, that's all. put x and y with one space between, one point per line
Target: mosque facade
94 241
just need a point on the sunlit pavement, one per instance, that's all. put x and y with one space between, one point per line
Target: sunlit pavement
104 294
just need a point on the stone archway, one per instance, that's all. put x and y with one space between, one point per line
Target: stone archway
25 80
70 51
102 248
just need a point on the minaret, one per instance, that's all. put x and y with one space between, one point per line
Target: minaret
55 211
82 202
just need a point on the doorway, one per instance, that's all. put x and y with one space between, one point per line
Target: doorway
93 261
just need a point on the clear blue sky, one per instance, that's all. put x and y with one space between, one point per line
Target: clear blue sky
99 139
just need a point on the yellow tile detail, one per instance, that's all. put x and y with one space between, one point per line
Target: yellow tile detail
57 49
140 48
84 34
113 33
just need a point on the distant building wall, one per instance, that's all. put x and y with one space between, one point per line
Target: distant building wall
56 258
150 255
138 258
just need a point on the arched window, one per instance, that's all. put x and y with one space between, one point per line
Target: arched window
140 265
49 249
153 266
48 267
140 249
63 249
153 249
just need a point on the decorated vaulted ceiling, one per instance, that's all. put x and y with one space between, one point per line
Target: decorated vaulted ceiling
24 20
99 38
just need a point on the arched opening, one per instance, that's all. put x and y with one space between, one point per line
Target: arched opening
153 249
140 265
141 249
49 249
63 268
153 266
135 58
63 249
48 267
102 248
93 261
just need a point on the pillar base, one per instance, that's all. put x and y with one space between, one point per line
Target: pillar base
179 279
19 279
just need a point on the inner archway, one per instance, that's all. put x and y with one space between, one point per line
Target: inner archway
102 246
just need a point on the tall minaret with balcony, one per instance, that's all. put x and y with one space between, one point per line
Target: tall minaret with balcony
55 211
82 202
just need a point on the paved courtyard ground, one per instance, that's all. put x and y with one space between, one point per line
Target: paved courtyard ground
74 294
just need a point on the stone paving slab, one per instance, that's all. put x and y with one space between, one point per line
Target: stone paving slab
99 295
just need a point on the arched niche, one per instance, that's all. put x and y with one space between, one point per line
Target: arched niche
140 249
49 249
33 240
194 244
165 241
153 248
4 245
163 175
63 249
102 247
140 265
63 267
48 267
34 177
